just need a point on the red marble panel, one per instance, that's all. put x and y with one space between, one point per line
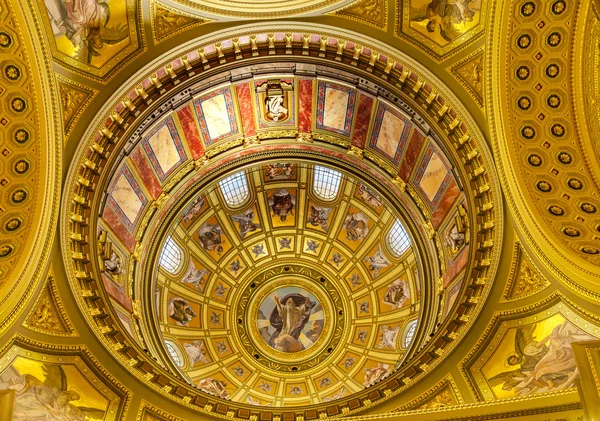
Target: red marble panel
363 118
445 204
143 168
116 294
305 94
122 233
246 108
415 144
457 266
190 131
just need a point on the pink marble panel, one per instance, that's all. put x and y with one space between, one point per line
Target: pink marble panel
305 94
445 204
456 267
116 294
146 83
144 169
245 40
415 144
209 49
193 55
363 118
190 131
227 44
246 109
160 73
114 222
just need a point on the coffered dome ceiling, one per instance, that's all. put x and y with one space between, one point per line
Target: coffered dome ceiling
289 220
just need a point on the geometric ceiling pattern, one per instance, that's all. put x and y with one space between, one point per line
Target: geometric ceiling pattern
290 211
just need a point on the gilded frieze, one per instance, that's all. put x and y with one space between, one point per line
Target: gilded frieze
443 395
168 21
74 99
371 12
48 314
469 71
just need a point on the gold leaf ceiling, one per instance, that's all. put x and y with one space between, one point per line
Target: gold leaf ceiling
473 123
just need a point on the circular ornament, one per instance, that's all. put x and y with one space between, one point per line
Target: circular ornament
544 186
575 184
556 210
534 160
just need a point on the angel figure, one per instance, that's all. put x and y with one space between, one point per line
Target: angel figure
114 266
210 237
388 337
369 196
84 23
215 387
195 277
51 399
180 311
245 222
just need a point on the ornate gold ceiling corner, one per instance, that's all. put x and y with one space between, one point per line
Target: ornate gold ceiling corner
525 279
102 53
74 99
66 372
148 412
469 72
515 356
440 34
168 21
371 12
443 395
587 355
48 315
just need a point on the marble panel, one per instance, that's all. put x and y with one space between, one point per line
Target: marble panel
457 266
191 132
413 150
126 198
390 132
433 177
305 94
116 225
144 169
246 109
216 115
363 119
335 107
445 203
164 148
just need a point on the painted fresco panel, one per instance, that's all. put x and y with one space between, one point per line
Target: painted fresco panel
532 355
444 21
92 35
58 388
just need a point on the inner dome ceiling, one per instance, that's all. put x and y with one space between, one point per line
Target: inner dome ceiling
317 240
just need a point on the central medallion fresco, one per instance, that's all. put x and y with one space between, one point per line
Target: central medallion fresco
290 319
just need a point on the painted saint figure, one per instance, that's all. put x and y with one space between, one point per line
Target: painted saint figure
210 237
245 222
444 14
288 318
357 226
396 294
195 352
318 216
195 277
275 108
180 311
282 204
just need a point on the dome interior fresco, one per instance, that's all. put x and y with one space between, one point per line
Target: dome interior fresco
267 288
301 210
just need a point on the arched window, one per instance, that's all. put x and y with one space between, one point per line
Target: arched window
398 238
410 333
174 354
326 182
170 256
235 188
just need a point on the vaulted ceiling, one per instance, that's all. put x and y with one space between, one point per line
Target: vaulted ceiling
298 210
